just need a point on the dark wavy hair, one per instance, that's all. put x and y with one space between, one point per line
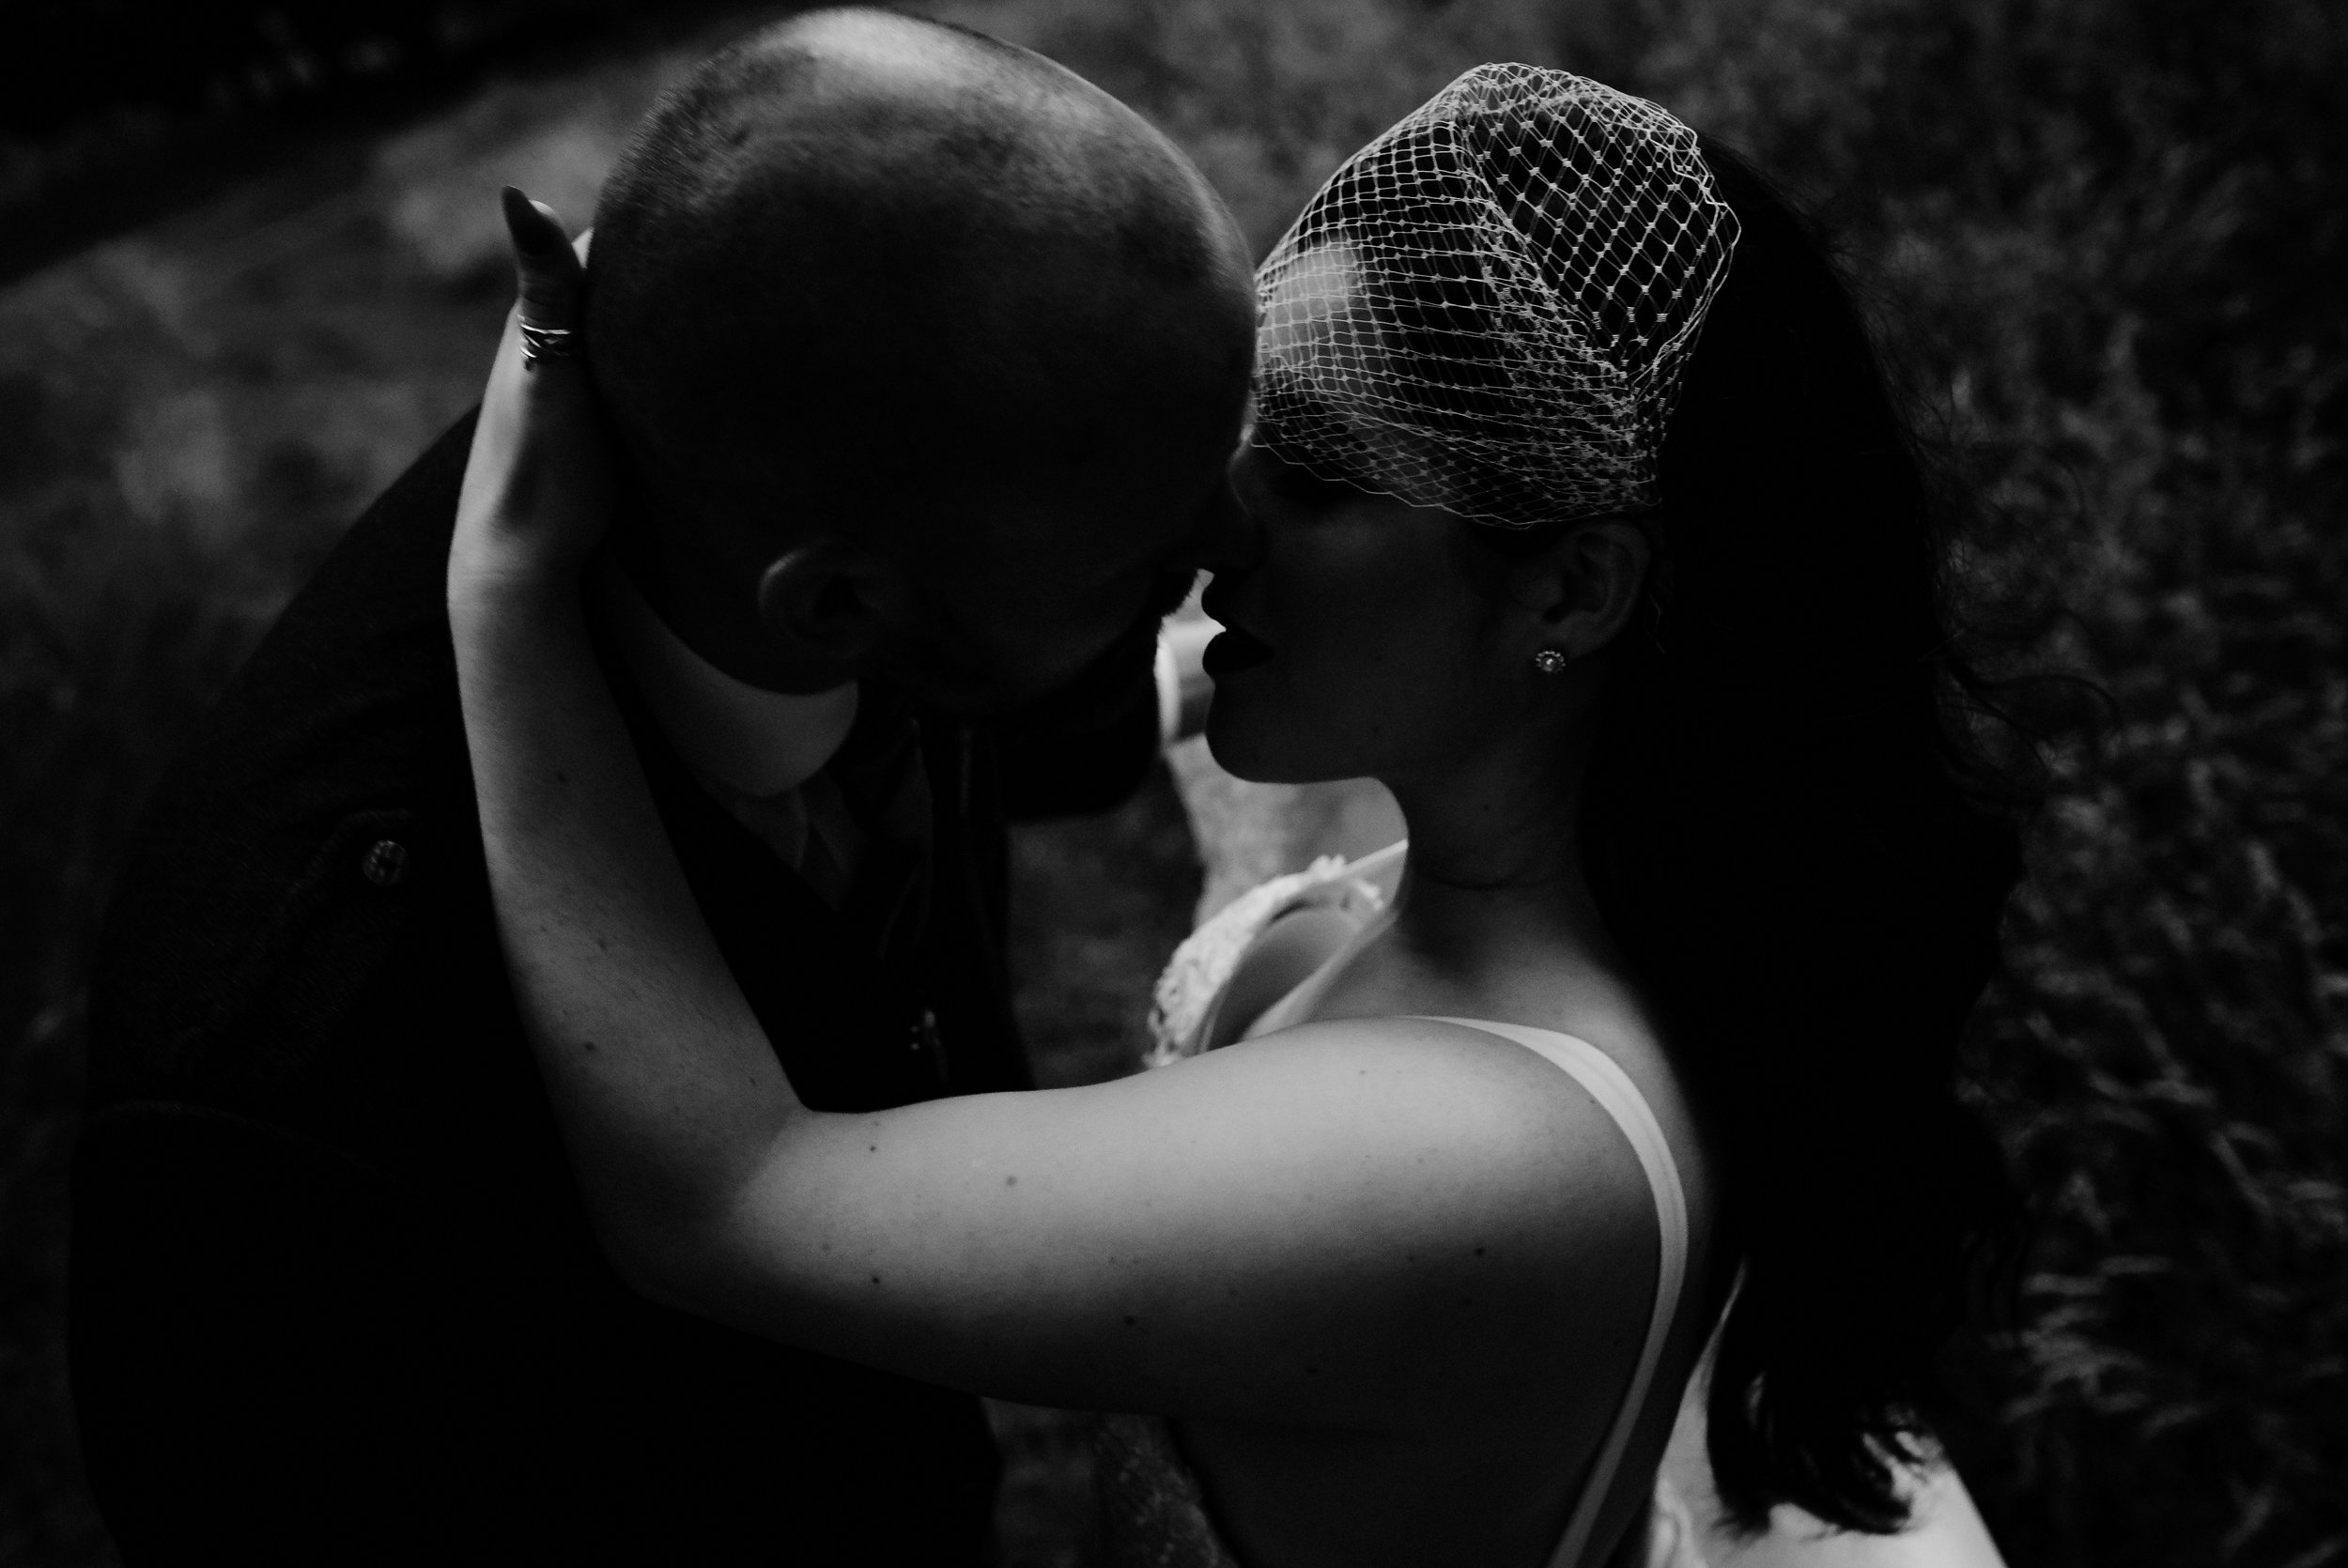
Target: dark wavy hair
1796 832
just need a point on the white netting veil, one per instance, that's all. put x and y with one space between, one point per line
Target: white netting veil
1491 306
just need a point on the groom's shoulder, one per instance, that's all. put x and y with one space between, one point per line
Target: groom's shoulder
353 692
372 621
367 632
335 756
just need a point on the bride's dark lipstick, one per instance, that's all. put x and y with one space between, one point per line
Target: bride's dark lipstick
1233 651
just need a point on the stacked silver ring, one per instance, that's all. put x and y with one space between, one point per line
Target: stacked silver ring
547 342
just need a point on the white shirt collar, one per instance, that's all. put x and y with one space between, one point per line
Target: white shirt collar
752 740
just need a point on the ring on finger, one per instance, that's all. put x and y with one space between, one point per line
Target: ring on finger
547 342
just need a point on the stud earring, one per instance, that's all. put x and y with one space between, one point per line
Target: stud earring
1549 661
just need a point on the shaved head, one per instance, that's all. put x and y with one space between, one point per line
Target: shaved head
860 271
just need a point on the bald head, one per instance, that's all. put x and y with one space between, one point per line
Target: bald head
858 269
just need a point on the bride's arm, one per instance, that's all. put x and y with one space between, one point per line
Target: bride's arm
576 855
1336 1226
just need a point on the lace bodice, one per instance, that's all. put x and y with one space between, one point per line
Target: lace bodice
1191 987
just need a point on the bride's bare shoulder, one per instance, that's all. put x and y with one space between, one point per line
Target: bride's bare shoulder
1483 1118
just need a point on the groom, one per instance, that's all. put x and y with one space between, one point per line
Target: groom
925 358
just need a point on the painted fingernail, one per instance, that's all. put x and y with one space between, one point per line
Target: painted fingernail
534 231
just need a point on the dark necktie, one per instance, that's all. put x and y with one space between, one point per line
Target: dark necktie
885 791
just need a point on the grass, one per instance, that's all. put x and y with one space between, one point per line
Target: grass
2105 237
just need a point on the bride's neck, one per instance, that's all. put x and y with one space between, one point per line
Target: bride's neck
1495 866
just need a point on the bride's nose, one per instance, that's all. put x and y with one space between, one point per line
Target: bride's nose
1228 537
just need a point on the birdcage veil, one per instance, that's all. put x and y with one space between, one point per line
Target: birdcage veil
1491 307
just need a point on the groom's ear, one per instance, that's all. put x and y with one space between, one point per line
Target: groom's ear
836 601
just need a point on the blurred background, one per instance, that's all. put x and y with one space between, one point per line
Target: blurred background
250 264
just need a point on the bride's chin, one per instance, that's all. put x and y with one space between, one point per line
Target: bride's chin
1229 743
1238 743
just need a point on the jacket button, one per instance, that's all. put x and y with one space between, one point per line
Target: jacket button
385 863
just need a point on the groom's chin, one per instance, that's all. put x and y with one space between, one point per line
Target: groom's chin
1100 692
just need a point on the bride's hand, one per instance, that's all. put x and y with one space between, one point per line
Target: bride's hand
537 491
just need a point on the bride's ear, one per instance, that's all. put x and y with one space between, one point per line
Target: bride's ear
1583 590
837 602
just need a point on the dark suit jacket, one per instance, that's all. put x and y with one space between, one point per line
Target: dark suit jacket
334 1298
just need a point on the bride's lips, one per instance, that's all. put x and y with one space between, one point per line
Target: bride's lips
1233 651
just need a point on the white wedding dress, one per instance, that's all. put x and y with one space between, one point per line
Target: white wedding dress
1153 1512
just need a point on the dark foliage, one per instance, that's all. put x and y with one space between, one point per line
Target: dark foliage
2105 246
2105 237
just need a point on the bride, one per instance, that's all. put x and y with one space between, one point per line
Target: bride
1576 513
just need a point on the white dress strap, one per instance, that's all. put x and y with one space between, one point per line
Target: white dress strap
1612 1088
1298 1004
